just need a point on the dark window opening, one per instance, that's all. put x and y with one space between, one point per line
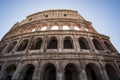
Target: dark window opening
2 47
71 72
65 14
52 44
46 15
93 72
68 44
90 73
50 72
36 44
11 46
109 47
112 73
9 72
29 73
83 43
23 45
97 44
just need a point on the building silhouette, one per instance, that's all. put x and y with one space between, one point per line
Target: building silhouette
57 45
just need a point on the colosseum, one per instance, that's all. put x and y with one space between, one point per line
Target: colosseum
57 45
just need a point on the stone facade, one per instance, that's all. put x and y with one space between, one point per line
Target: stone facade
57 45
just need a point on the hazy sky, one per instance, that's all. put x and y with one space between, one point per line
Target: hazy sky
104 14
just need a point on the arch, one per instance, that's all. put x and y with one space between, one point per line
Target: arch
27 72
2 47
0 67
68 43
111 72
71 72
55 27
23 45
65 27
76 28
97 44
93 72
11 46
49 72
9 71
36 44
53 43
109 47
43 28
83 43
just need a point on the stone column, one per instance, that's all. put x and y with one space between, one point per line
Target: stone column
103 71
92 47
59 75
44 43
71 26
36 75
82 72
60 72
3 72
16 75
48 26
60 44
59 26
117 68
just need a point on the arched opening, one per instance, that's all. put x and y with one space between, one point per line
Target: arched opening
111 72
54 28
2 47
44 28
52 44
36 44
83 43
71 72
11 46
109 47
93 72
0 67
76 28
23 45
27 72
49 72
65 28
9 72
97 44
68 43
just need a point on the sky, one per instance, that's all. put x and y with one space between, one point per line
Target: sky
104 14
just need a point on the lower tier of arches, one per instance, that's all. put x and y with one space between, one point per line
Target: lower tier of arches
60 70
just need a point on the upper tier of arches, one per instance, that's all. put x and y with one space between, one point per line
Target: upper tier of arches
55 43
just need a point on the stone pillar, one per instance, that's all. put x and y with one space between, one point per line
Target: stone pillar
16 75
92 47
44 43
59 26
59 75
103 71
36 75
3 72
117 68
48 26
82 27
60 72
71 26
60 44
102 44
82 75
75 42
82 72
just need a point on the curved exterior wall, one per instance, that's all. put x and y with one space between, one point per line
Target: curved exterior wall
57 45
